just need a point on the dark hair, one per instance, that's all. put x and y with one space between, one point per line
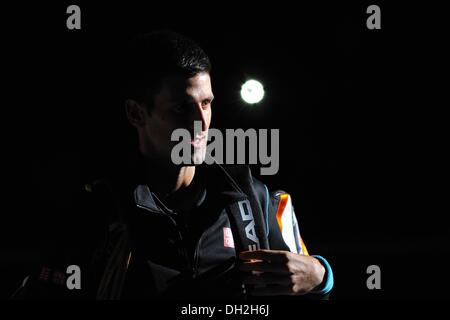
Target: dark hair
149 58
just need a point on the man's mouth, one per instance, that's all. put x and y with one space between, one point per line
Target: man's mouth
198 142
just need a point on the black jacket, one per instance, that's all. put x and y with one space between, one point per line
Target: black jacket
133 246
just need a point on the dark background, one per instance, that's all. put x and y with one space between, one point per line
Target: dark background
360 114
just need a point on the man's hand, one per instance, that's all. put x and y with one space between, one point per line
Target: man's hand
280 272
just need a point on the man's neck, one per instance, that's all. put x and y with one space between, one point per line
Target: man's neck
174 186
166 180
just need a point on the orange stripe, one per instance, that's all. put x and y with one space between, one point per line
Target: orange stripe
283 201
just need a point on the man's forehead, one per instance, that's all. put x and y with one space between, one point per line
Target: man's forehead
183 87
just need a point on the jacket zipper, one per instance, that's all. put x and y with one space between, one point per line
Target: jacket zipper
179 233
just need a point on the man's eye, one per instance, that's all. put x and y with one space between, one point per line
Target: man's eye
206 103
179 108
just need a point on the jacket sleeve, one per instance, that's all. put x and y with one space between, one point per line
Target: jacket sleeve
284 221
72 243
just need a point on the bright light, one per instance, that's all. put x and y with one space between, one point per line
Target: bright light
252 91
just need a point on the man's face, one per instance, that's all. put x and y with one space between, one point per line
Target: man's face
179 103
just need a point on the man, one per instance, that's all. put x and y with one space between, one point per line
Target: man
179 231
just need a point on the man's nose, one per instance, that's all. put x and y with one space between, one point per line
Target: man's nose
199 114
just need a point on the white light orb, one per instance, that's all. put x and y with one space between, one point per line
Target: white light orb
252 91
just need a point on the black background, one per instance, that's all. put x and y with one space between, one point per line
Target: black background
360 113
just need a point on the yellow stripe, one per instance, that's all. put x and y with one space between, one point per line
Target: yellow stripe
304 250
128 261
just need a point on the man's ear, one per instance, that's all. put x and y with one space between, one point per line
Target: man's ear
135 113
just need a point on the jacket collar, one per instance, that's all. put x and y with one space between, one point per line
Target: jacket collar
210 175
144 198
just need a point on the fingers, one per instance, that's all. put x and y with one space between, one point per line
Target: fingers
262 266
274 261
278 272
265 255
267 279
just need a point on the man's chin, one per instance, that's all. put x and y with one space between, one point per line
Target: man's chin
198 156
